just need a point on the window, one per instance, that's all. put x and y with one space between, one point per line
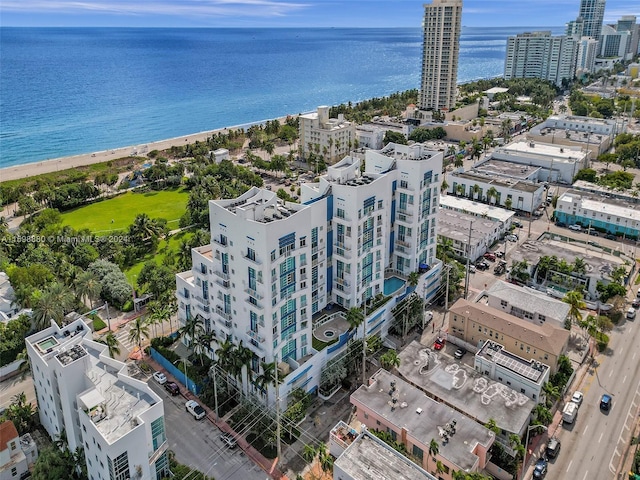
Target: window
119 468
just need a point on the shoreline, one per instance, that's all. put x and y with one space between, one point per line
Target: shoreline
26 170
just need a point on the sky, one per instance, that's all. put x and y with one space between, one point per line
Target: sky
290 13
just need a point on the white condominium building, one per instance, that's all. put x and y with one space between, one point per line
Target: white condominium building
273 265
592 15
540 55
330 138
117 419
440 48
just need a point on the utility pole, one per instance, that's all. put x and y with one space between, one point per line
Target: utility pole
215 391
446 296
466 277
278 443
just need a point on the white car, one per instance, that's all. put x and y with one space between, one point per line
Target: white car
631 313
195 409
160 378
575 227
577 398
512 238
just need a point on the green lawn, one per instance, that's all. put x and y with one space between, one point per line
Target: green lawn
119 212
164 248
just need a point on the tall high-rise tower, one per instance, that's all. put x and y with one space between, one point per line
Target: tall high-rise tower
440 48
592 13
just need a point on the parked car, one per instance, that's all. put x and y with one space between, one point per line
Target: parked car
500 254
172 388
195 409
490 256
228 440
594 233
577 398
636 303
605 402
517 223
575 227
610 236
512 238
439 343
631 313
459 353
472 268
160 377
540 469
482 265
561 224
569 412
553 447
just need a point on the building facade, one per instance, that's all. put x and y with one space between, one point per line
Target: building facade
541 55
273 267
476 323
329 138
17 454
440 49
470 236
117 419
592 15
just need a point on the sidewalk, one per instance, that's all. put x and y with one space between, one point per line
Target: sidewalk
269 466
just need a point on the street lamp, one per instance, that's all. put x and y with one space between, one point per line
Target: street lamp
526 447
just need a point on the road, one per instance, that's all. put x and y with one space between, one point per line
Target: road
197 443
14 386
592 447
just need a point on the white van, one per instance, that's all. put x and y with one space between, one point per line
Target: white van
569 412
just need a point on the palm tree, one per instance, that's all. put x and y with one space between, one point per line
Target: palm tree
87 287
552 392
309 452
267 377
138 331
576 303
460 189
508 203
224 355
444 250
111 342
325 458
242 359
444 186
53 303
159 313
390 359
492 193
414 278
192 329
434 448
475 189
355 317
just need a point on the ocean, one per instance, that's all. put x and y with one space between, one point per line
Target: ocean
67 91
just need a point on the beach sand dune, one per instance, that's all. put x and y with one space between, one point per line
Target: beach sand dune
141 150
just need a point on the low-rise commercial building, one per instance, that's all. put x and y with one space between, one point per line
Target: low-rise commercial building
611 215
118 420
476 323
390 404
478 209
524 376
470 236
557 163
519 195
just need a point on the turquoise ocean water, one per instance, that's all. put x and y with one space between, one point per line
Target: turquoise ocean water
67 91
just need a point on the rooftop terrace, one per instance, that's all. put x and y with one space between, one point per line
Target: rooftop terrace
514 184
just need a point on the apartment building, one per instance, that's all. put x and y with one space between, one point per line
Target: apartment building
440 49
367 457
592 15
522 375
330 138
274 267
541 55
476 323
117 419
470 236
390 404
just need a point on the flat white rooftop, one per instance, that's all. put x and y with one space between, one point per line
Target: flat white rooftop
475 208
560 153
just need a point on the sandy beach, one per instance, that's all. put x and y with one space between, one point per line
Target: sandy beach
37 168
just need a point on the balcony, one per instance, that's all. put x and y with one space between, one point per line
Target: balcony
222 275
223 243
403 243
406 213
342 252
255 336
253 293
203 301
223 283
225 316
253 259
204 308
254 303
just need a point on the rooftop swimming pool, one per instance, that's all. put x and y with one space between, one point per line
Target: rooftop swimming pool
392 284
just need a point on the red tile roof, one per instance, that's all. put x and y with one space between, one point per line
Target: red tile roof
8 432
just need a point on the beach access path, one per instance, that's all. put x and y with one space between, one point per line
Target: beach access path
47 166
